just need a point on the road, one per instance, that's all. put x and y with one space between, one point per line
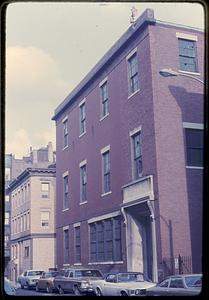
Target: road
26 292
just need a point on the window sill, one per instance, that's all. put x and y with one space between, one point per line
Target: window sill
188 72
65 148
106 262
102 118
105 194
65 209
77 264
130 96
83 133
194 167
84 202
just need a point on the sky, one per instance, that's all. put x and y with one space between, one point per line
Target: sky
50 47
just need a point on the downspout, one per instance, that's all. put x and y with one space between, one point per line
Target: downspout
154 248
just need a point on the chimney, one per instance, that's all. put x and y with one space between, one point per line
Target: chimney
50 152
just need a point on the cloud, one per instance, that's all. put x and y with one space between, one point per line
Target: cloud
20 144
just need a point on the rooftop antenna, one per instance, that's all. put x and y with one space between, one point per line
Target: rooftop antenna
133 15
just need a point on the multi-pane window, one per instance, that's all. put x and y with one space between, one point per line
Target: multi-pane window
77 244
26 251
45 190
105 240
45 219
7 174
187 55
133 74
83 183
65 192
65 133
106 171
82 118
6 220
137 155
194 147
104 97
66 245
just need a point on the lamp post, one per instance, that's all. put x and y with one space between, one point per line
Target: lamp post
170 73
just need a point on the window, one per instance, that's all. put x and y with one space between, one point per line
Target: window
6 240
82 118
106 172
7 174
45 219
7 198
65 133
105 240
164 283
26 251
187 55
137 155
83 183
104 97
65 188
194 147
77 244
176 283
133 74
6 220
66 245
45 190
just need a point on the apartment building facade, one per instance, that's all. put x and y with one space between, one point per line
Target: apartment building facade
32 244
129 154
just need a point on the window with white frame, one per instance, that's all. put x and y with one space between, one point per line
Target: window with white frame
65 133
133 74
77 244
106 171
45 219
194 147
66 245
6 220
7 198
65 192
187 55
82 118
45 190
83 184
137 154
7 174
104 99
26 251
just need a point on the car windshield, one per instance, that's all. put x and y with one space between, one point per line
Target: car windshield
34 273
88 273
126 277
193 281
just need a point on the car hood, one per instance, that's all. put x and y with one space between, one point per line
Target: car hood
136 285
34 277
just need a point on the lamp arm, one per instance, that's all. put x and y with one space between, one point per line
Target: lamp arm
190 76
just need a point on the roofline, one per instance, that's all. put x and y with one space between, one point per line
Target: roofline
26 173
146 18
179 25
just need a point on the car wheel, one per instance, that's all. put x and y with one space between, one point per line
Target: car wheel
37 288
61 291
22 286
123 293
98 292
28 286
48 289
76 291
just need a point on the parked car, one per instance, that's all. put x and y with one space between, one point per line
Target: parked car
29 278
9 287
178 285
122 284
78 280
46 282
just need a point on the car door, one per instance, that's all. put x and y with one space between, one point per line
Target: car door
177 287
161 289
41 281
110 285
23 279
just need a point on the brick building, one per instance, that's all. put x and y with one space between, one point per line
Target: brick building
129 155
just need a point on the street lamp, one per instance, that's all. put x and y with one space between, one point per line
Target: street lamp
170 72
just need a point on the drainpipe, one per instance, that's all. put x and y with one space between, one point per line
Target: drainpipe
154 248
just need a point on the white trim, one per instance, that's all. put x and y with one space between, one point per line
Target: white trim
81 203
105 149
186 36
102 118
83 163
65 227
106 216
82 102
65 209
103 81
135 130
193 125
77 264
65 119
65 174
78 224
188 72
82 134
133 93
131 53
66 265
65 147
194 167
106 262
105 194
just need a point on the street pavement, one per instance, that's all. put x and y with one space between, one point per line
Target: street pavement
32 292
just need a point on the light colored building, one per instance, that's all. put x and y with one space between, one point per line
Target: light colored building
32 196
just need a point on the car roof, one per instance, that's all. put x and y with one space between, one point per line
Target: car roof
182 275
116 273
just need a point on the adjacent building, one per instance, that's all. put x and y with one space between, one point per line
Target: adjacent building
130 155
32 243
